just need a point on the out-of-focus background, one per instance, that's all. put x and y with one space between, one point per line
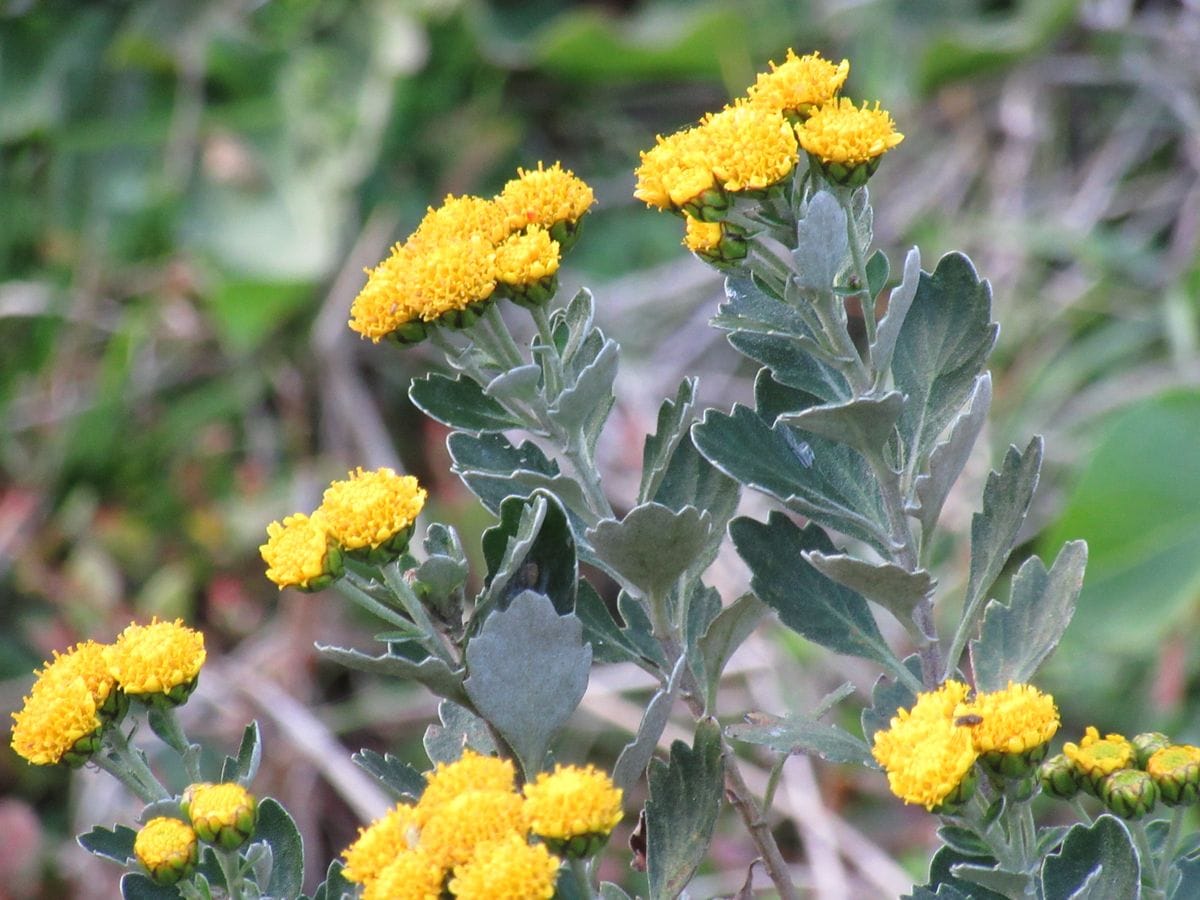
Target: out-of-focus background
189 192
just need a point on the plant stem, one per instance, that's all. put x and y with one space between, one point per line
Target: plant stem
1146 855
1170 844
504 342
743 801
1081 811
866 299
231 867
127 766
554 372
583 877
435 642
179 742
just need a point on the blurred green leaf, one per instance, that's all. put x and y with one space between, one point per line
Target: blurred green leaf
247 311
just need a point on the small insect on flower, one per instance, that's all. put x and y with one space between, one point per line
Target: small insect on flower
968 720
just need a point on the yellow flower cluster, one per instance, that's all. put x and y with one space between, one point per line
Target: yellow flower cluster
468 249
370 515
754 144
929 751
80 691
470 833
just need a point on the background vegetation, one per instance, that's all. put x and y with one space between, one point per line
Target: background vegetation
189 192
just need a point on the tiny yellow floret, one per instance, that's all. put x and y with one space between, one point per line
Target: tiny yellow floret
842 133
159 658
58 721
296 551
527 258
455 829
371 508
449 276
381 842
222 814
701 237
798 84
470 772
1014 720
411 875
85 660
508 869
167 848
927 757
385 302
461 218
572 802
747 148
544 197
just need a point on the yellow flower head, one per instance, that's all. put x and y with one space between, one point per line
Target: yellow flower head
167 848
371 508
456 828
460 218
1095 757
297 552
544 197
449 276
798 84
572 802
840 132
384 303
159 658
674 173
411 875
1014 720
701 237
223 814
507 869
380 843
1176 771
747 147
470 772
58 723
527 258
927 757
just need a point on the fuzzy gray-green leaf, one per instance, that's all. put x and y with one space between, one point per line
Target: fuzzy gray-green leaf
244 766
591 391
829 482
1010 884
1100 856
866 424
806 601
895 589
432 672
457 729
899 302
529 668
950 455
685 797
1016 637
277 828
460 403
822 249
1006 499
636 755
653 545
612 641
942 347
519 384
674 418
801 734
398 777
530 548
727 632
115 844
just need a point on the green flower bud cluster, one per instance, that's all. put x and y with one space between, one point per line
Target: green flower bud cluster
1129 776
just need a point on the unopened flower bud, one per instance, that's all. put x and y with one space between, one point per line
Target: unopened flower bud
167 848
1130 793
1176 771
1058 777
221 814
1146 744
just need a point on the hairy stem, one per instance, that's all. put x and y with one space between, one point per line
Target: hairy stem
127 766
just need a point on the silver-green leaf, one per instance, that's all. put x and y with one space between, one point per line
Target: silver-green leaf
1100 857
798 733
653 545
866 424
460 403
528 671
1017 637
431 672
895 589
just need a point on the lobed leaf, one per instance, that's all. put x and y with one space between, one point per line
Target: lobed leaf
1100 857
244 767
613 641
895 589
1015 639
822 246
530 548
460 403
459 728
115 844
866 423
277 828
727 632
681 812
674 419
798 733
653 545
529 669
397 777
636 755
431 672
899 303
